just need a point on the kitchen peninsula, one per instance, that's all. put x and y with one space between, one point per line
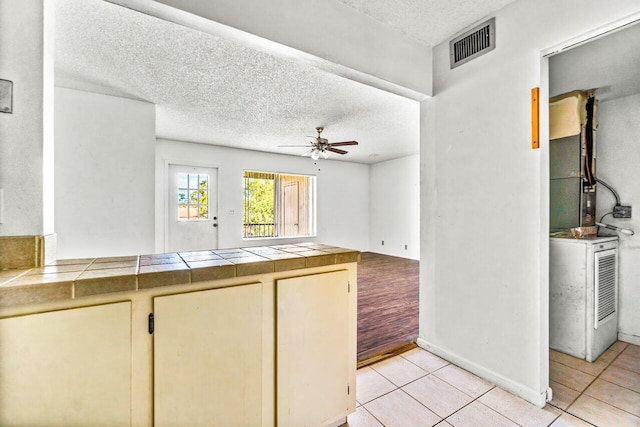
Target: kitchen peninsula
254 336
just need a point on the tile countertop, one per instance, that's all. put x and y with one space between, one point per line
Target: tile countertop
75 278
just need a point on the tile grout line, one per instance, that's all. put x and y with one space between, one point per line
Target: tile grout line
395 385
609 403
473 400
621 386
591 383
421 377
595 377
462 391
578 369
578 417
424 406
448 363
73 282
446 382
373 416
562 411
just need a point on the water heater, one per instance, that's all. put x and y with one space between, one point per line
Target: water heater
583 295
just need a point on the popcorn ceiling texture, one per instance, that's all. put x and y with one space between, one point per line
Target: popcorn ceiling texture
429 22
210 90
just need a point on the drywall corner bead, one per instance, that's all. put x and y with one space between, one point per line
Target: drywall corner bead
6 96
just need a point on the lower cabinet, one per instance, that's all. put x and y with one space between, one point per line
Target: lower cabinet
313 363
208 357
67 368
280 352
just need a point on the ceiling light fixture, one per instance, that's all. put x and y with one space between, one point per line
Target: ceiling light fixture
321 146
316 152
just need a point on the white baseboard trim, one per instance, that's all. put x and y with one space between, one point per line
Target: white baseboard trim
528 394
631 339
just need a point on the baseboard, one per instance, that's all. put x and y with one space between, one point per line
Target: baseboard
528 394
631 339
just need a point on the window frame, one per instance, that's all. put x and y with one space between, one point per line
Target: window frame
188 189
278 203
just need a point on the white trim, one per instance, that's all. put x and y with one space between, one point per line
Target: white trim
544 192
529 394
165 202
544 176
593 34
632 339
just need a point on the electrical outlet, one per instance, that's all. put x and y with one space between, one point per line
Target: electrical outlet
622 211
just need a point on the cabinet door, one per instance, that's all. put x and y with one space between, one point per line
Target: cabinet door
66 368
208 358
312 349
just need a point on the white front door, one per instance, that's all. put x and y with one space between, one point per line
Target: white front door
192 211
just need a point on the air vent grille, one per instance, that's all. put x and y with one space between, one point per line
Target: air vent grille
475 42
605 288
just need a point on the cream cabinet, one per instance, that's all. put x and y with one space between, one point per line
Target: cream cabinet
314 366
274 349
67 368
208 357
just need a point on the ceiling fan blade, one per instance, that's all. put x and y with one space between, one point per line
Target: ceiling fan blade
337 144
336 150
306 145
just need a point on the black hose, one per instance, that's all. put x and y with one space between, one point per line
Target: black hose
610 188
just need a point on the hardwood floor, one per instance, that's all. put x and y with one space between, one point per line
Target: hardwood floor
387 303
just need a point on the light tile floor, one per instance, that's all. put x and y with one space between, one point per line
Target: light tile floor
418 388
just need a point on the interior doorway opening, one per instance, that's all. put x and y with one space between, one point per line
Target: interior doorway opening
603 64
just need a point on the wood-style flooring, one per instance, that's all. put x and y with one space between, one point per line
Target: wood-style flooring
387 303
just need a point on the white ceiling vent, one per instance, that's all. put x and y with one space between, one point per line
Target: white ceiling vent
475 42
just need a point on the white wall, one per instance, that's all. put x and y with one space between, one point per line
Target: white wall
342 192
104 175
484 199
619 165
26 135
394 207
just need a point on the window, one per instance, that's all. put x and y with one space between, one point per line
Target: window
193 197
277 205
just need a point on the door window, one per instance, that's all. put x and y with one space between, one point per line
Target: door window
193 197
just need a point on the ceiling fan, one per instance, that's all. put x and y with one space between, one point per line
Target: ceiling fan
321 146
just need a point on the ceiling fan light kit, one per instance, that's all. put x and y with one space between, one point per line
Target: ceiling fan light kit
321 146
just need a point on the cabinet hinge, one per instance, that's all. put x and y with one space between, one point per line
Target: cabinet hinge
348 389
151 323
348 287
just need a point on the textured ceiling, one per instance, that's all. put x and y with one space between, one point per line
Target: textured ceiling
427 21
216 91
609 64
